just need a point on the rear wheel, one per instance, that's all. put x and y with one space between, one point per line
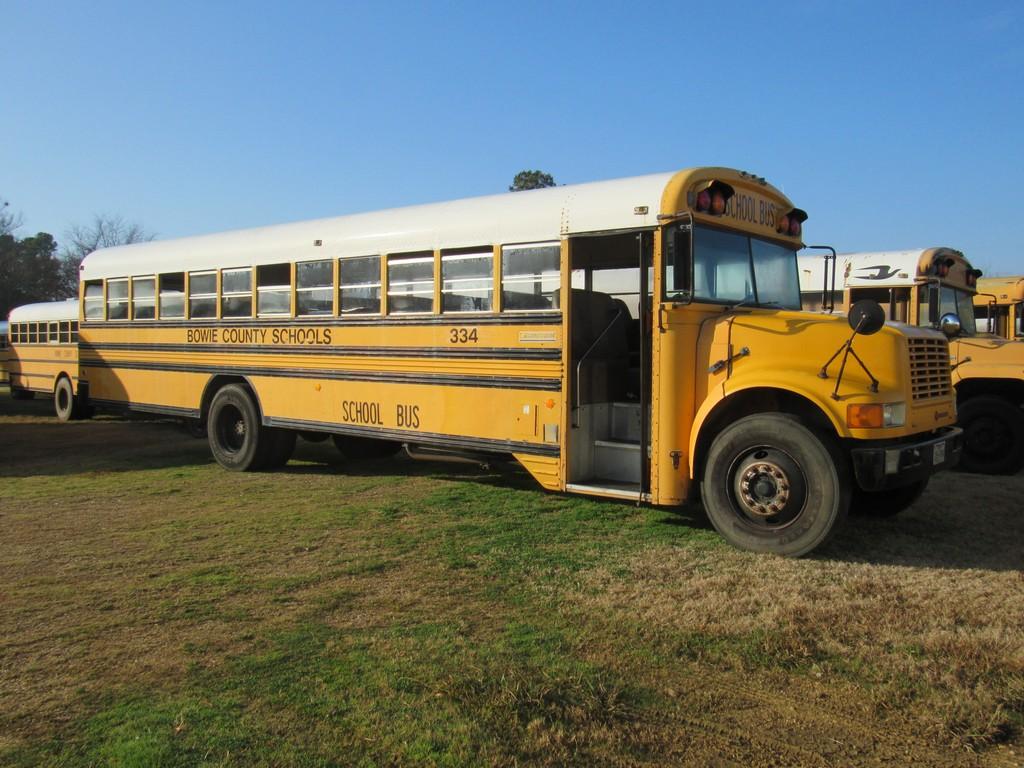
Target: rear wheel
993 436
65 404
886 503
772 485
356 448
238 440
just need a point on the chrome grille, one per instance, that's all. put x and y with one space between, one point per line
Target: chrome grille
929 368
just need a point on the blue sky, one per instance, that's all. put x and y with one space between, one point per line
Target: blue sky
895 125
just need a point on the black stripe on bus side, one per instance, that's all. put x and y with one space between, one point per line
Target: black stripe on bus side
404 436
497 353
163 410
456 380
540 318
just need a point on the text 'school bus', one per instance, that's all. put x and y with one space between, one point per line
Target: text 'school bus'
935 288
634 339
3 352
43 354
999 306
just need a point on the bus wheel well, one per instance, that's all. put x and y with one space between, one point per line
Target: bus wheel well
1008 389
749 402
215 384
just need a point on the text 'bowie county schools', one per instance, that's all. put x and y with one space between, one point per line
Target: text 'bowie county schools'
291 336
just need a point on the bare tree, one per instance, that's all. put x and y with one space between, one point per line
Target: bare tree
105 231
9 221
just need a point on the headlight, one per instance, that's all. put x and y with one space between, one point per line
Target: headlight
876 415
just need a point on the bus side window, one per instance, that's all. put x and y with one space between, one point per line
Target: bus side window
314 286
530 276
143 298
236 292
172 295
74 331
467 280
359 285
410 283
202 294
65 331
117 299
273 290
94 300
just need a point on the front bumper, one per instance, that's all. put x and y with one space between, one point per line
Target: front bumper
892 465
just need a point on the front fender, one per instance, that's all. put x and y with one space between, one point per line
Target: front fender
719 395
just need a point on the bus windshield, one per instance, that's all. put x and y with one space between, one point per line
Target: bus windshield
732 267
937 301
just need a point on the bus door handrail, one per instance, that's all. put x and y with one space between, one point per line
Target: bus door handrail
579 365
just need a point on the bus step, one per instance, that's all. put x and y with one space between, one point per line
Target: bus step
616 460
624 423
609 488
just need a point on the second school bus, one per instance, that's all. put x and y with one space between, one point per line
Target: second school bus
930 287
43 355
637 339
999 306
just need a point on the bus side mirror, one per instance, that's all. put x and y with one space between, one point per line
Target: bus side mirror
866 317
949 324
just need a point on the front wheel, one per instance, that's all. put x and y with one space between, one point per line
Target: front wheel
772 485
993 436
886 503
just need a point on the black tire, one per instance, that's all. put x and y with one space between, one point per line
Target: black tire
356 448
772 485
313 437
281 446
65 404
993 436
238 440
886 503
22 394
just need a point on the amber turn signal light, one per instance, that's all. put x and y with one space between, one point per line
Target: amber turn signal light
865 416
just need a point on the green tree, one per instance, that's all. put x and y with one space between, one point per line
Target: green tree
105 231
531 180
29 271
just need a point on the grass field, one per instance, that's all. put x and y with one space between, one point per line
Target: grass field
159 611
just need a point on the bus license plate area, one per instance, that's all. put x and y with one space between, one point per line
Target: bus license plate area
939 453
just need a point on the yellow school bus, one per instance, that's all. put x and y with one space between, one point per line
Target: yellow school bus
43 355
936 288
635 339
999 306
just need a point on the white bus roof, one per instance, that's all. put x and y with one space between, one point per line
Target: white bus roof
47 310
512 217
889 268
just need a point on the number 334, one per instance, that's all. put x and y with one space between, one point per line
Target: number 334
462 335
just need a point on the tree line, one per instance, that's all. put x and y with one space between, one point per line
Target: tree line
37 268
